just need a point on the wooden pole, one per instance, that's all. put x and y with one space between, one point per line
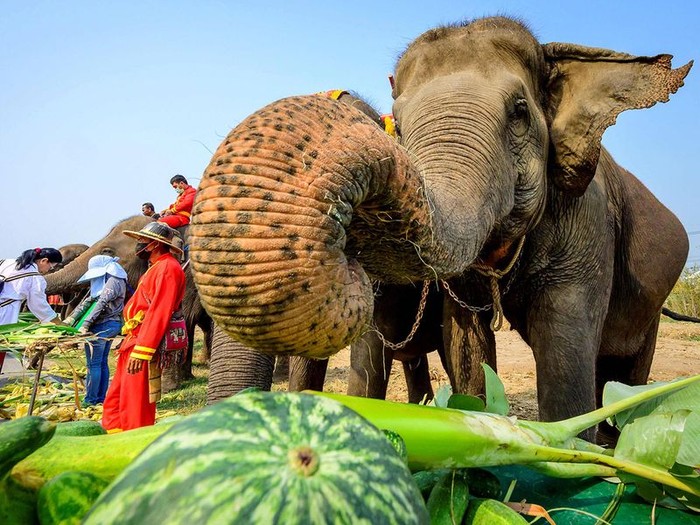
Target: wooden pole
37 376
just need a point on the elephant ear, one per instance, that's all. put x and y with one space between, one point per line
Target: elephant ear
587 89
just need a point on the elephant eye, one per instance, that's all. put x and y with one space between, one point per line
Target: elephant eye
520 110
520 116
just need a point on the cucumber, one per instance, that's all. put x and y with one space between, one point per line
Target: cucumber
449 498
484 484
426 480
84 427
20 437
491 512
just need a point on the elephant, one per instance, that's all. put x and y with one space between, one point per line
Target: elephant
115 243
69 252
67 302
499 167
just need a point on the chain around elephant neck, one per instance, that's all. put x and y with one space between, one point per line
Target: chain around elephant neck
494 276
416 323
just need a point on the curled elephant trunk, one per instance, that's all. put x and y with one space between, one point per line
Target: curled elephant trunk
302 201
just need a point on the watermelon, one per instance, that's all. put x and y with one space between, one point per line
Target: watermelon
66 498
266 457
83 427
398 443
20 437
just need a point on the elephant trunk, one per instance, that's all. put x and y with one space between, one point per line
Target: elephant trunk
65 279
300 202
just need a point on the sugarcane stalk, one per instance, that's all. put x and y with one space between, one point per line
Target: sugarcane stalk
443 437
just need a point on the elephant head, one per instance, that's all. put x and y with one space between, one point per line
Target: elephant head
115 244
307 199
69 253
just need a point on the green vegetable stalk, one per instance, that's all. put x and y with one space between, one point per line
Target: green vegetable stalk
443 437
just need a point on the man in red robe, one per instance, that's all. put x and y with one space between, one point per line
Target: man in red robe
146 317
178 214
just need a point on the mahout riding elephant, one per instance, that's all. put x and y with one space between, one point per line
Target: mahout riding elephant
115 243
500 160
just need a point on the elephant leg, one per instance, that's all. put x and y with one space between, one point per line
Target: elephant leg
206 325
468 342
417 374
307 374
281 372
630 365
370 365
565 339
234 367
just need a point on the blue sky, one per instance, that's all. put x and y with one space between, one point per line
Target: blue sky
102 102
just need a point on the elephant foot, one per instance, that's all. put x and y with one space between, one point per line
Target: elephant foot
170 379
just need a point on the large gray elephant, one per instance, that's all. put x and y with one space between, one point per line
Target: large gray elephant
500 160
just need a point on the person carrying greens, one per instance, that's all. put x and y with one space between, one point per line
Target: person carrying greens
100 313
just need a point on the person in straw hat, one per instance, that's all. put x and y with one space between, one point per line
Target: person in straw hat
100 313
147 316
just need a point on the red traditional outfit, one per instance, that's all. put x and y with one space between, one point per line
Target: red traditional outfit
146 317
181 209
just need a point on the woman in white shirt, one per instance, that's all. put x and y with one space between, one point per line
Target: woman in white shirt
22 280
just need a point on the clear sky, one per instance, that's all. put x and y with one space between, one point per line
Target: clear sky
102 102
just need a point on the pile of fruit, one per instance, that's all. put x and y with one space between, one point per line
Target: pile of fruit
276 457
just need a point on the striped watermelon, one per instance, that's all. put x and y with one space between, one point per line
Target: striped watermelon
66 498
266 458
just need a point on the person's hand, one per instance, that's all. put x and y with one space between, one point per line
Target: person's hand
83 330
134 365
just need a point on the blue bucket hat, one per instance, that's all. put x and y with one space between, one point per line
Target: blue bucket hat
101 265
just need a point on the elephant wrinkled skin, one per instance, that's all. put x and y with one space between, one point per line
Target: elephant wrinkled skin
306 201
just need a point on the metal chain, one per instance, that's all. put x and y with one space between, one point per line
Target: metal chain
461 303
496 293
416 323
494 277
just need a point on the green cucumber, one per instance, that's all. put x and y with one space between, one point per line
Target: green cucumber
449 498
491 512
66 498
20 437
483 484
426 480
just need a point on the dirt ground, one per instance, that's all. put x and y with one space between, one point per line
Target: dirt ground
677 354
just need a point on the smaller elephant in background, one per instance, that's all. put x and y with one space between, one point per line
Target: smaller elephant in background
454 322
65 303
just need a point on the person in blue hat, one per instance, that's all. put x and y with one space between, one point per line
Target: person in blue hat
100 313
